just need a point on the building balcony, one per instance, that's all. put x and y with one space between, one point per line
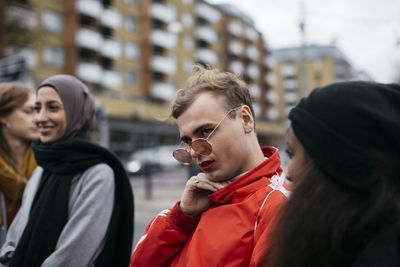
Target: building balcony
270 61
111 79
254 90
289 70
207 56
111 18
251 34
164 65
257 109
236 67
163 91
252 52
236 48
22 14
91 8
208 13
235 28
253 71
89 72
30 56
270 79
111 48
89 39
164 39
207 34
290 84
163 12
271 96
272 114
290 97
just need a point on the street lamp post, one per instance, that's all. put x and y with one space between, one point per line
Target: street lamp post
304 67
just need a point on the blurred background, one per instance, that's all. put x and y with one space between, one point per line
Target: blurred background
134 55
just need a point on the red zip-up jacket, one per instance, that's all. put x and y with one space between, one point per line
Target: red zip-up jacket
234 230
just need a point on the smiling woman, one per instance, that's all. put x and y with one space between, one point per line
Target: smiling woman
50 115
78 205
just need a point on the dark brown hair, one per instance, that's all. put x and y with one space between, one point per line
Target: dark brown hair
208 79
327 224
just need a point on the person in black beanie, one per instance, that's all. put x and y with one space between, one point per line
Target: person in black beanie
344 145
77 208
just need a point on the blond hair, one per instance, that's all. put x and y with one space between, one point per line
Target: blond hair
209 79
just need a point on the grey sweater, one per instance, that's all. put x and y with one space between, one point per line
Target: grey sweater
90 208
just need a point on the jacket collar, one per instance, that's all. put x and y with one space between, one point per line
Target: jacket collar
245 184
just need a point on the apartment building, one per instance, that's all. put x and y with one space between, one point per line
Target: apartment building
297 70
135 54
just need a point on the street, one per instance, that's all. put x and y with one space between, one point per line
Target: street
167 187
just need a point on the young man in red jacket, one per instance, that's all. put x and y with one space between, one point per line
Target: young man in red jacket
227 211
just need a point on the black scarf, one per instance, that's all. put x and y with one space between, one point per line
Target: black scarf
49 211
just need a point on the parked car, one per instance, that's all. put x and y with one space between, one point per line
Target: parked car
151 160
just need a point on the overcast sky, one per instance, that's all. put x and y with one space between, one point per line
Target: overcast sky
366 31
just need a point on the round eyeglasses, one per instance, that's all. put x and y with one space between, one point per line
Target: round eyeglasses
200 146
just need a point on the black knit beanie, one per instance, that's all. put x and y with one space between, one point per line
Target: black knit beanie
346 127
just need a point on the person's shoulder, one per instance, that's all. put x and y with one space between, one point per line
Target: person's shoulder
37 171
98 180
100 167
272 200
36 175
100 170
100 173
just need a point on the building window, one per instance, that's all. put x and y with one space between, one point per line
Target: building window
272 113
340 70
188 65
131 51
53 56
187 20
30 55
131 2
53 21
318 77
289 70
317 64
188 43
131 24
133 79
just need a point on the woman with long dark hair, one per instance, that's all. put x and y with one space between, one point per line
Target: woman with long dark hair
344 145
17 131
78 206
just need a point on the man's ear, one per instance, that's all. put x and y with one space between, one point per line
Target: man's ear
247 118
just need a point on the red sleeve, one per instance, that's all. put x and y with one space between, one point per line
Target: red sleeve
265 224
163 239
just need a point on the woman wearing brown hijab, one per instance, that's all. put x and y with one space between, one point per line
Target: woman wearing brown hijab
17 130
78 205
